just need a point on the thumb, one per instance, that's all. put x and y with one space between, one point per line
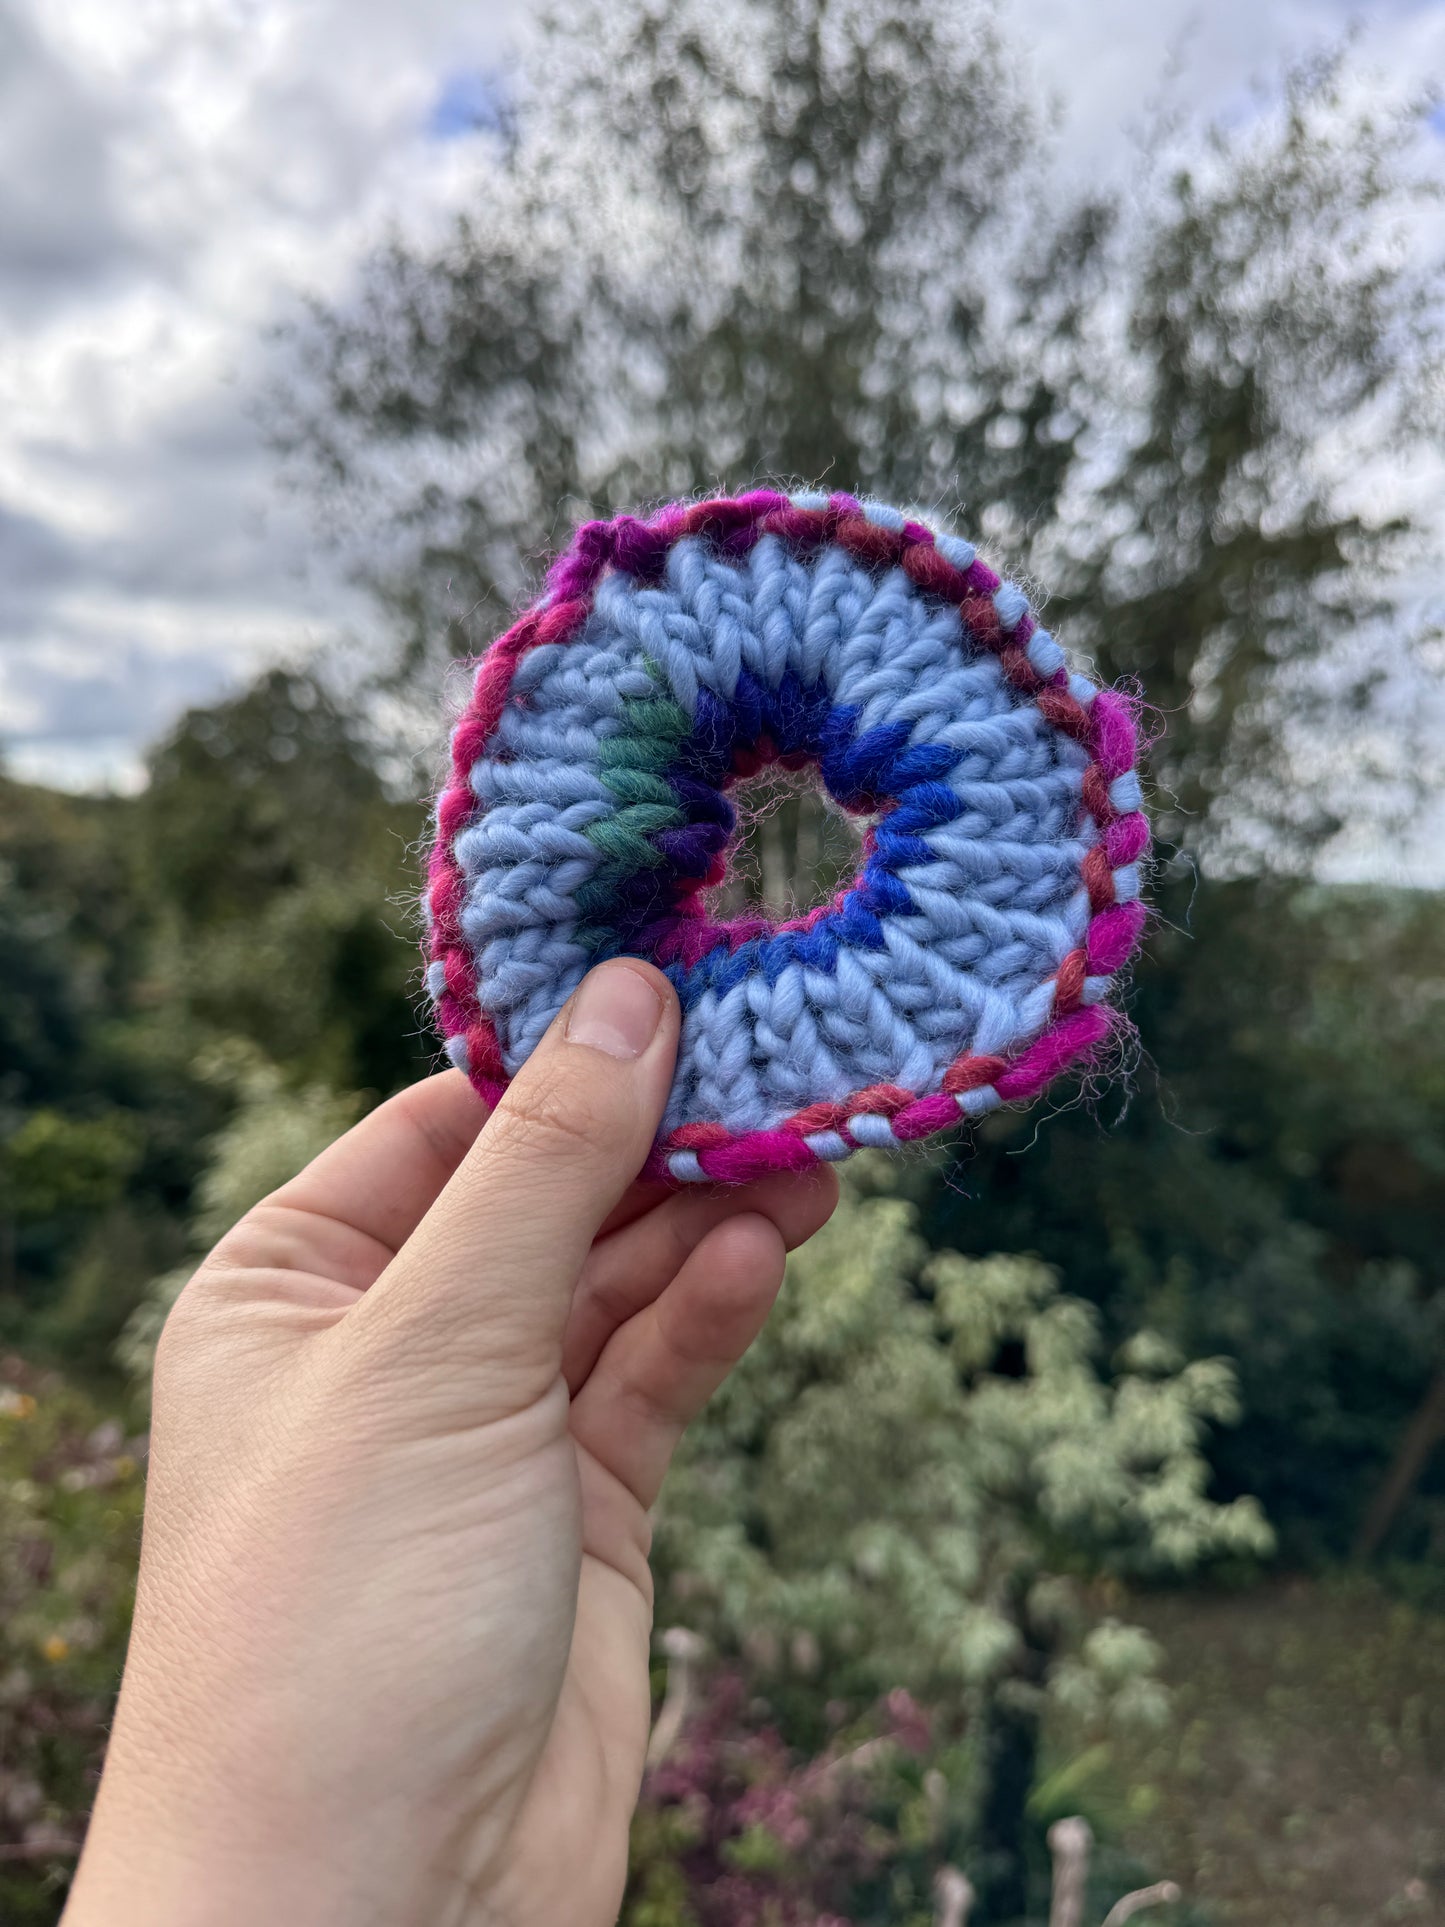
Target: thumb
482 1288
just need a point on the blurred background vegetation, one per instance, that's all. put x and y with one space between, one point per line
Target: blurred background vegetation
1094 1466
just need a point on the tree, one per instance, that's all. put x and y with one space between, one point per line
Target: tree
98 1116
1271 1193
1282 340
747 294
282 874
260 889
830 245
907 1479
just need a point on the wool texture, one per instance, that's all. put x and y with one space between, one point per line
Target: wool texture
587 816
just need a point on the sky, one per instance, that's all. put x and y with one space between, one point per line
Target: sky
175 174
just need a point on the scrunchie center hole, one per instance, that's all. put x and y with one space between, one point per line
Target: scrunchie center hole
794 852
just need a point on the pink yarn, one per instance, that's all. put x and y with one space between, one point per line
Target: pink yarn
1113 938
1115 739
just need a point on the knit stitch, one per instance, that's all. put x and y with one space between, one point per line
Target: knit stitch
588 816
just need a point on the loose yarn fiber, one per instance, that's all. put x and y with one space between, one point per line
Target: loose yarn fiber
587 816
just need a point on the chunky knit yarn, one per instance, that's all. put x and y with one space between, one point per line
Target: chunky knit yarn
587 816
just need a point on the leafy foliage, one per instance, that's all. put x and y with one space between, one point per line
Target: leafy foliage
1281 327
70 1506
99 1116
271 850
1271 1192
906 1479
260 891
734 1829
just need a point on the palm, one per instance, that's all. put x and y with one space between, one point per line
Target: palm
567 1854
670 1294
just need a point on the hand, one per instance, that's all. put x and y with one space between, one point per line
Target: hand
390 1657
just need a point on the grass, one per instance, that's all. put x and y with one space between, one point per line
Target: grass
1301 1780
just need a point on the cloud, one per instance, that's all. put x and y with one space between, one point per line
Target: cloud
171 174
64 234
34 564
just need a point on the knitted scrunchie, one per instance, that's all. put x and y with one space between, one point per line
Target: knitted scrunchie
587 816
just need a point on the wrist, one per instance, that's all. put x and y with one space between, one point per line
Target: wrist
162 1876
178 1840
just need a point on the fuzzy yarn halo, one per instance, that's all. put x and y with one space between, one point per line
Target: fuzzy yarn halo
587 816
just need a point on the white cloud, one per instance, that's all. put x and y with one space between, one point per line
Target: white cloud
171 171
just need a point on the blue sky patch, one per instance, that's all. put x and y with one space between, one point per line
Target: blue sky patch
470 101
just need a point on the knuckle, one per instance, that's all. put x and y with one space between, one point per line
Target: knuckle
264 1236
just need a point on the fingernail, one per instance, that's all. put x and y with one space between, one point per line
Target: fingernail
616 1011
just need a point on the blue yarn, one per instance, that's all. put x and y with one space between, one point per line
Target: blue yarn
969 900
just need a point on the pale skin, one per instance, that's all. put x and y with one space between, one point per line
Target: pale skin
390 1657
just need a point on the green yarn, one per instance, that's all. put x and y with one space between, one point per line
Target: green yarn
639 786
653 726
622 838
631 765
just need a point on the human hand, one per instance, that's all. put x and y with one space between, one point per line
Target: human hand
390 1655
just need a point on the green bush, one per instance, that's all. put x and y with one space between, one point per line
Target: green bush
909 1483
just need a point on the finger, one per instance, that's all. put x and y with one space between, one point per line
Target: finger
656 1373
385 1174
484 1284
381 1178
639 1197
627 1269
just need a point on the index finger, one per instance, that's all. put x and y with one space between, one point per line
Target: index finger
385 1174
